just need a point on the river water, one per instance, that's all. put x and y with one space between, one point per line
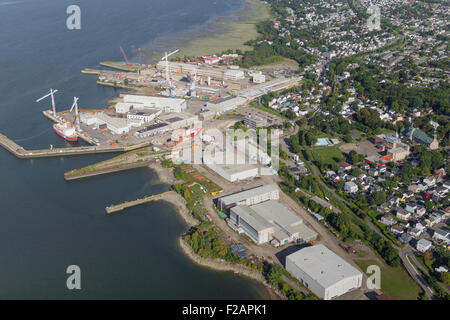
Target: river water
47 224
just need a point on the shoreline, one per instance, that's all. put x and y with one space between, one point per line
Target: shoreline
222 265
178 203
232 31
220 34
164 175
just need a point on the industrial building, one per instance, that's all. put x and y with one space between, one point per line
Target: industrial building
249 197
232 164
143 116
115 125
234 172
271 221
136 102
225 104
179 119
257 76
323 272
254 226
254 122
151 130
250 149
216 73
222 105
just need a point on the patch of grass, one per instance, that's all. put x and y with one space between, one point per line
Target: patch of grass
362 253
395 282
328 155
119 65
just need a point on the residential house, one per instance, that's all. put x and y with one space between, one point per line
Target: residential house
346 166
405 238
411 207
415 232
429 181
351 187
403 214
387 219
396 230
441 269
423 245
441 235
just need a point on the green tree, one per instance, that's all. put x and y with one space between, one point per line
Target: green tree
445 277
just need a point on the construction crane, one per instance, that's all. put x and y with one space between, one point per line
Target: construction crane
193 85
52 94
77 118
125 56
166 58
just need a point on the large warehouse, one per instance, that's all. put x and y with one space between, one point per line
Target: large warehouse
323 272
249 197
271 221
179 119
231 170
235 172
148 102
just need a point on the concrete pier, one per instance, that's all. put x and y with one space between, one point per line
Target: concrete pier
125 205
22 153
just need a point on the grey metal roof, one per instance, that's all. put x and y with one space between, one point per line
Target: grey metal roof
322 265
251 217
274 211
236 197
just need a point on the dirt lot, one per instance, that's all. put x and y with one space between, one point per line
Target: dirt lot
366 148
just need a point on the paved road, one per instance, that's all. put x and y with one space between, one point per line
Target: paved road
416 275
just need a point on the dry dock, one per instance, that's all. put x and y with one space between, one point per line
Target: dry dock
125 205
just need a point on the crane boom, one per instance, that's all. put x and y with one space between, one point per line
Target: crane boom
52 94
166 59
77 118
125 56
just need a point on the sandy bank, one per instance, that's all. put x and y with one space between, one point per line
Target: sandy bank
165 175
180 205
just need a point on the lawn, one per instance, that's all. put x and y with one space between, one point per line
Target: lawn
328 155
395 282
119 65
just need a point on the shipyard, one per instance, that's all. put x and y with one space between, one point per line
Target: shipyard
234 149
182 95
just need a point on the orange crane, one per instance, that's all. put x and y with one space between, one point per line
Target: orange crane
125 56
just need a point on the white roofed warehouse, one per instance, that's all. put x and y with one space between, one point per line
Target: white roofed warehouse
249 197
271 221
323 272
